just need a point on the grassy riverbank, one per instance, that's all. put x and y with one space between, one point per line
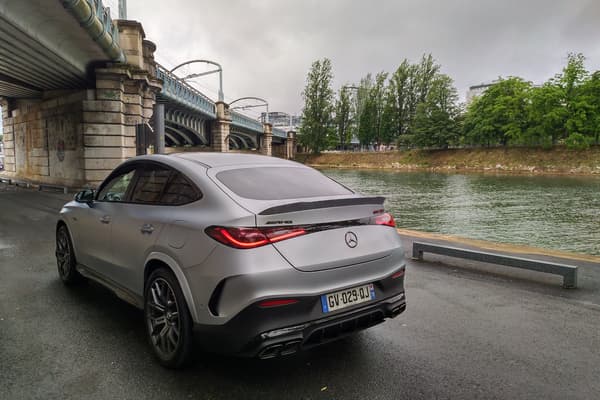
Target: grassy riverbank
558 160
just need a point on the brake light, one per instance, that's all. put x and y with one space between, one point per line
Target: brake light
398 274
276 303
250 238
384 219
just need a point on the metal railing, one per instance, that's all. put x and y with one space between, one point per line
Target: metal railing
177 90
244 121
181 92
279 133
568 272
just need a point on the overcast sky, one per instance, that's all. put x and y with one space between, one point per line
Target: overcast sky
267 46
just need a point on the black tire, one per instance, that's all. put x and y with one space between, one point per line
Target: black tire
168 320
65 258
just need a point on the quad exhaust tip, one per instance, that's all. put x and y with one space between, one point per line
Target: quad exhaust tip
280 349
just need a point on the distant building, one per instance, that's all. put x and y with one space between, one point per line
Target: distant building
282 120
478 90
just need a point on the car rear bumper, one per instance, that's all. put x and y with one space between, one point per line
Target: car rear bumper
269 333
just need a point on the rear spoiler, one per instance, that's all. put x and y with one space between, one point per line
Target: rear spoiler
312 205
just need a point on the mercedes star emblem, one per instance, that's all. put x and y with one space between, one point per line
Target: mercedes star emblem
351 239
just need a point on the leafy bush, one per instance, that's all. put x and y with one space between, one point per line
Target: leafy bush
576 141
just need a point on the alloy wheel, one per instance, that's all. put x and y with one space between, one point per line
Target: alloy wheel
63 253
162 317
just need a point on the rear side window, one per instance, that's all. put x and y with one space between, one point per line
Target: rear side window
273 183
150 185
160 185
179 191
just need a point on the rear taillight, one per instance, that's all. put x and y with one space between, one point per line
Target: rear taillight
384 219
250 238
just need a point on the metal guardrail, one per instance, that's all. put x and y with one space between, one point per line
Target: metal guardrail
279 133
568 272
177 90
243 121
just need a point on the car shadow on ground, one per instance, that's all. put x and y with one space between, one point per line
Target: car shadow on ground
106 312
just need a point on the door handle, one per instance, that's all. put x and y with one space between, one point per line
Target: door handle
147 228
105 219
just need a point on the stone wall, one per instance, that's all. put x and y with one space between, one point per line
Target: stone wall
42 139
279 150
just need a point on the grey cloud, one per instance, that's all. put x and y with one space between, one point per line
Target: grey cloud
267 46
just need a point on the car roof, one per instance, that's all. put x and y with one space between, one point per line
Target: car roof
212 160
215 160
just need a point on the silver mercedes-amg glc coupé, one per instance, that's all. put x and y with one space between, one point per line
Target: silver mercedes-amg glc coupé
257 256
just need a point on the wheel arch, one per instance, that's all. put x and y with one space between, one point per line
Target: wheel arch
157 260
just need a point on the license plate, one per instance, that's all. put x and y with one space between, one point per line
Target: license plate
348 297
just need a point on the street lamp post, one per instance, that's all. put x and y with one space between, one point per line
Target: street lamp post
265 104
191 76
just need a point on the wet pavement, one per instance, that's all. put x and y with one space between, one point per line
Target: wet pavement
470 331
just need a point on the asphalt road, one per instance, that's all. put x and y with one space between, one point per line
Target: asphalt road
465 335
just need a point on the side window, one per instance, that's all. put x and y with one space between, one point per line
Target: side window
116 189
179 191
150 185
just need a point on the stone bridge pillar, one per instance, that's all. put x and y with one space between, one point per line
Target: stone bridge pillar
290 145
9 142
220 128
266 147
124 97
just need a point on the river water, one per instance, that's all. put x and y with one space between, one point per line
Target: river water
554 212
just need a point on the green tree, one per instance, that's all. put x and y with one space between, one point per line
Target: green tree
437 120
409 86
547 115
579 105
370 119
360 105
379 100
499 115
366 121
317 114
399 98
389 125
426 72
591 89
343 115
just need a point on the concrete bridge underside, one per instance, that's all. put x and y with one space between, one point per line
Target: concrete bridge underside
44 48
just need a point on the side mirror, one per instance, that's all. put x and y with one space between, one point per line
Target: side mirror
86 196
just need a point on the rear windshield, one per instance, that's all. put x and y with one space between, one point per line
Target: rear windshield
278 183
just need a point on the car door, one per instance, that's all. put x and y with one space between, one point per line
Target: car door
138 224
95 224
